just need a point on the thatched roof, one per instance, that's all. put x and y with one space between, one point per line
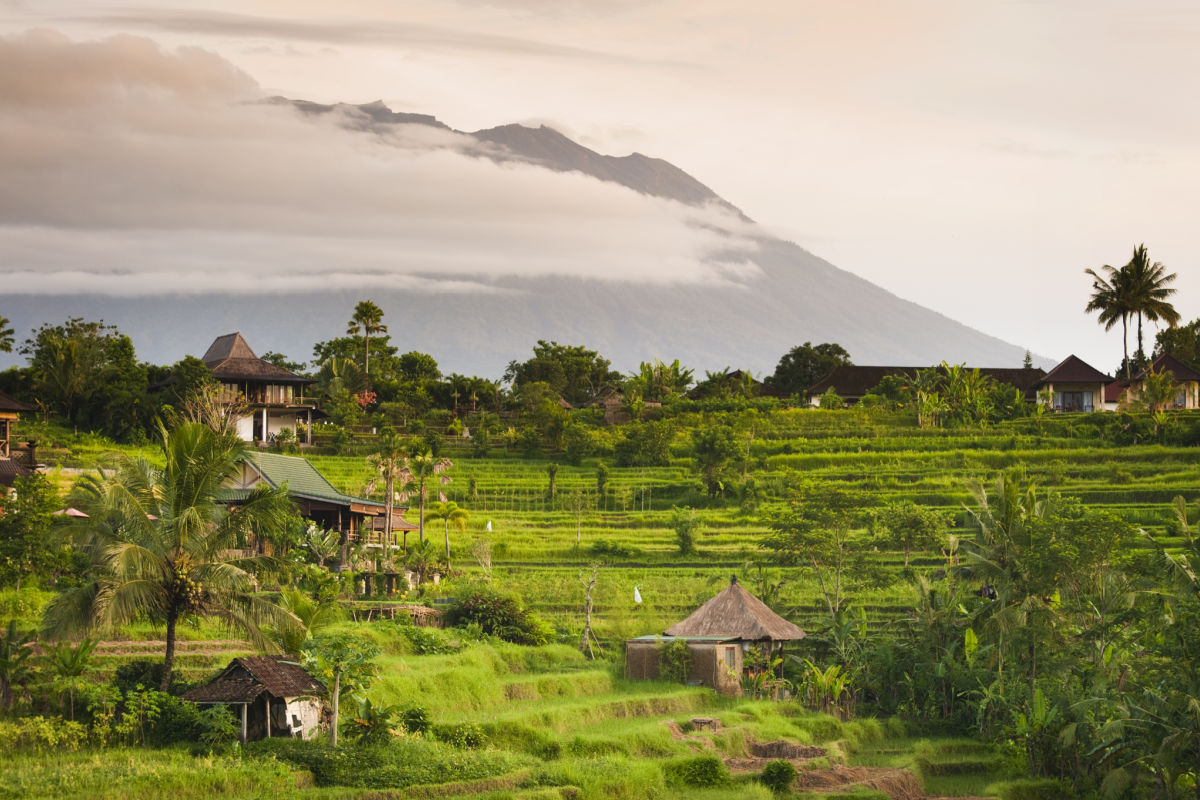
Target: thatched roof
247 677
736 613
230 358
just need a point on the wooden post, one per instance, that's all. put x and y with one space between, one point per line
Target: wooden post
244 707
267 706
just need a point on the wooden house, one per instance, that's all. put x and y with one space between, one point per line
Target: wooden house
273 396
719 634
274 697
1075 385
12 467
851 382
356 518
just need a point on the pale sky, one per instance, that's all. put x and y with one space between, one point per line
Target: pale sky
973 157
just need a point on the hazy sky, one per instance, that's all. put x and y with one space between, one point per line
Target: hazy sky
972 156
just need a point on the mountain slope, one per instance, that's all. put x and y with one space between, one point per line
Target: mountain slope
792 297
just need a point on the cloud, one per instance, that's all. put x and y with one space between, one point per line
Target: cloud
376 32
133 170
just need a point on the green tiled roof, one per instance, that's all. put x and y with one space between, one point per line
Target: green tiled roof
301 477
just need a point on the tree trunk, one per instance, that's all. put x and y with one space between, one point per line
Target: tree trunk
337 689
388 534
169 659
447 547
421 516
1125 342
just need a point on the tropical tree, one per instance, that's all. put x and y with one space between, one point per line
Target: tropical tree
418 470
388 460
310 615
368 320
450 513
16 647
6 336
909 526
67 663
1111 299
158 540
1147 284
346 662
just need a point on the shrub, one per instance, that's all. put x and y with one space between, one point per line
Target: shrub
499 615
429 641
415 719
778 775
462 735
675 661
40 733
702 771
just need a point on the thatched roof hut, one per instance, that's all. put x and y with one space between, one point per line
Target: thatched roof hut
736 613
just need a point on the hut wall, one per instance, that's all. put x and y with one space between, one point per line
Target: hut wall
641 661
711 666
304 714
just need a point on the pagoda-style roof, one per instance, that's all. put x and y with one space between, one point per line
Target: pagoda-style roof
1074 370
11 405
247 677
230 358
736 613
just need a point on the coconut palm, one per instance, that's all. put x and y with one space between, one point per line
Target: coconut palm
388 460
310 615
1147 286
451 514
418 469
1110 297
367 319
159 542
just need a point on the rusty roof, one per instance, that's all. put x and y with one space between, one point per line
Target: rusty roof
247 677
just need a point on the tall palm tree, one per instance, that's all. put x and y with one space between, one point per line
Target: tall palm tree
418 469
367 319
1110 297
451 514
1148 290
158 540
6 336
389 461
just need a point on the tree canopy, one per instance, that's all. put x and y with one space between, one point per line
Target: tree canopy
804 365
573 372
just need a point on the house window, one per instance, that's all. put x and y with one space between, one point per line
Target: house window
1072 401
1181 399
730 657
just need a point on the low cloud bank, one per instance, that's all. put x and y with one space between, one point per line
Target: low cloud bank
131 170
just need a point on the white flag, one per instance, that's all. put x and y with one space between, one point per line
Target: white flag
489 526
637 596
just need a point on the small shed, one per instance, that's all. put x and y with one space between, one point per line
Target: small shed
732 620
714 661
278 697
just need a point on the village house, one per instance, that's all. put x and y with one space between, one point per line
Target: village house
273 396
1074 385
12 465
719 635
1126 392
274 697
355 518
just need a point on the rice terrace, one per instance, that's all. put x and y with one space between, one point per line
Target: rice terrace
383 416
947 585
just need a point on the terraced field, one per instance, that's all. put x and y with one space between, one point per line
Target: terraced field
541 544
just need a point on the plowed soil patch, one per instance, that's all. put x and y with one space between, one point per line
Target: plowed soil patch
898 784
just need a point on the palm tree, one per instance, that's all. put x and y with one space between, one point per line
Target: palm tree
1110 297
418 469
368 318
158 541
311 615
68 663
6 336
1148 290
452 514
388 460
